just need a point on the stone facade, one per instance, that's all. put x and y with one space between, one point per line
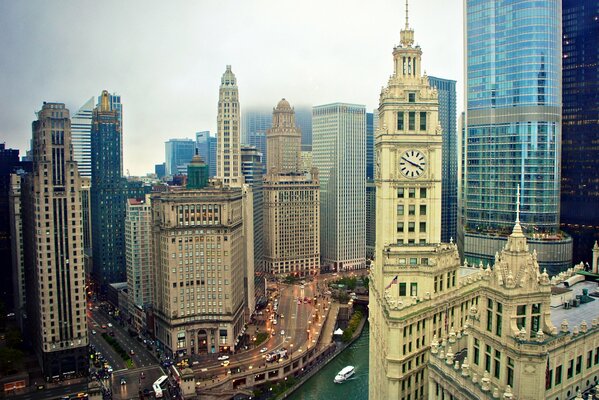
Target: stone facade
291 201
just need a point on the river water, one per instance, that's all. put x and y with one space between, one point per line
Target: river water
321 385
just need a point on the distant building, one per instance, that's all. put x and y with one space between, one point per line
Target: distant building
160 170
448 120
580 125
206 146
369 146
303 120
51 210
254 124
370 219
291 201
81 127
339 154
107 195
178 153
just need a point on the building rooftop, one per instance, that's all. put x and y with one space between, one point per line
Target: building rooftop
575 315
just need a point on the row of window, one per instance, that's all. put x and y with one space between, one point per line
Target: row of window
401 126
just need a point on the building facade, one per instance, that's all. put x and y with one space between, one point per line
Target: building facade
449 181
178 153
303 120
108 197
339 155
55 276
291 201
410 262
228 140
81 127
254 124
206 146
138 252
580 125
513 128
199 261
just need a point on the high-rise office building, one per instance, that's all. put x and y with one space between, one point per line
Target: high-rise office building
138 251
303 120
449 180
55 276
339 154
200 308
369 146
372 120
513 128
253 173
228 153
580 125
254 124
9 160
81 127
291 201
178 153
206 146
108 198
18 282
160 170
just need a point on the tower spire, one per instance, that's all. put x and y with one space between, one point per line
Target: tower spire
407 25
407 34
517 231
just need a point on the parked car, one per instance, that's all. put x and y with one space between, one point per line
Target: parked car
225 363
283 332
223 358
93 331
263 350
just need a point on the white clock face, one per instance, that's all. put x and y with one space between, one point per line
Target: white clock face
412 163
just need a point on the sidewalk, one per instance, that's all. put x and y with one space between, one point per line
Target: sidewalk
326 335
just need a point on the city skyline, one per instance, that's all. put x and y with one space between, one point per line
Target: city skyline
180 80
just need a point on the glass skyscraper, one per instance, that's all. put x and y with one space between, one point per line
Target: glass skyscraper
513 128
447 118
254 124
580 125
178 153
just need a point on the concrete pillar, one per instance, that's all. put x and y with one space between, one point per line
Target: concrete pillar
595 258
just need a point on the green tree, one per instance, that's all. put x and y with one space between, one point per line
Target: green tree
10 360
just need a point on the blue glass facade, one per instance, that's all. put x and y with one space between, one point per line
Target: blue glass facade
447 118
513 122
108 196
580 125
178 153
254 124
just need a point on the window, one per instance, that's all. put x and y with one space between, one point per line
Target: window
476 351
412 120
400 209
488 358
400 193
412 97
510 372
558 375
411 226
497 366
423 121
521 312
423 193
412 193
498 319
579 364
402 288
423 209
400 123
413 289
400 227
411 210
570 369
590 359
413 261
422 227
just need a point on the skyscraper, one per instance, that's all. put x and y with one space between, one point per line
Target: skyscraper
513 128
107 195
228 154
303 120
449 180
369 146
206 146
580 125
178 153
254 124
291 201
253 171
54 272
81 126
339 154
138 250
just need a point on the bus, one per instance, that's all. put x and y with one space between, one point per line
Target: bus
160 386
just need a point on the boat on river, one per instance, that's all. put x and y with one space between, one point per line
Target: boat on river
345 374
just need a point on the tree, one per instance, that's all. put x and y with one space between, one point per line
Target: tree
10 360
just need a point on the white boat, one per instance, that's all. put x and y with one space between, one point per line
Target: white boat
345 374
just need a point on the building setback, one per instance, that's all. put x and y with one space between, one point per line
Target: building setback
513 129
291 201
55 276
580 125
339 154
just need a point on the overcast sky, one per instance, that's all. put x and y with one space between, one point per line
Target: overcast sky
165 58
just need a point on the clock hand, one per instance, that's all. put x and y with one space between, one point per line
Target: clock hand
414 164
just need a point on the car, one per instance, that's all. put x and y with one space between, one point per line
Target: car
109 325
123 381
263 350
131 352
274 322
283 332
225 363
195 363
282 315
223 358
109 370
103 326
142 376
93 331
